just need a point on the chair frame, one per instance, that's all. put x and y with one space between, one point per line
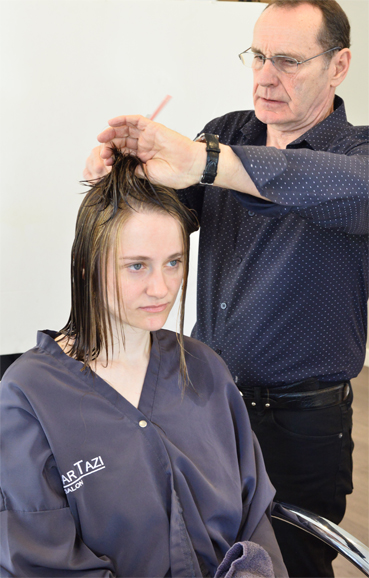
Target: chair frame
327 531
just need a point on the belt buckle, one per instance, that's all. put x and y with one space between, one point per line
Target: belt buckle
346 391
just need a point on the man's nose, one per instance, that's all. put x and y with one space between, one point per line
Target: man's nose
268 74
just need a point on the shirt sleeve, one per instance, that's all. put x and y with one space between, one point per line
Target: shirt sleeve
193 198
39 536
329 189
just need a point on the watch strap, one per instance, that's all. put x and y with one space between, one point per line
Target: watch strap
213 150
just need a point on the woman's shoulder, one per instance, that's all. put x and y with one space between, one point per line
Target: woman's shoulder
199 356
17 384
169 338
34 364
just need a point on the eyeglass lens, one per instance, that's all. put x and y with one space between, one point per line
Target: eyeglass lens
282 63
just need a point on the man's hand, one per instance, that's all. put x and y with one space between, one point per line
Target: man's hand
95 166
170 158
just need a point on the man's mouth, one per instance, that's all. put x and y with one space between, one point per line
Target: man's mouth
271 101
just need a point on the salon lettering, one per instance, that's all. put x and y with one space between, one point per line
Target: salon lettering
72 480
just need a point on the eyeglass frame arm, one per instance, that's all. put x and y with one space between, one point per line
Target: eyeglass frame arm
328 532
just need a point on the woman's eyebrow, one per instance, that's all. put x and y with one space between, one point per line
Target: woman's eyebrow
146 258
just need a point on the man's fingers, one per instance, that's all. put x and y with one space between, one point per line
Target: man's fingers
110 133
95 167
126 145
106 149
132 119
140 173
107 135
86 174
117 121
132 143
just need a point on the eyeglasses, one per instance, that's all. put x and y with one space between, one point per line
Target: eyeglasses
285 64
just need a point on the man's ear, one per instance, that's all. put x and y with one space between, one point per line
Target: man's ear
340 66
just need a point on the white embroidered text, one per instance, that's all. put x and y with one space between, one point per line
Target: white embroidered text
72 480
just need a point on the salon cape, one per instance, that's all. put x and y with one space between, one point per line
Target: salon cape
92 486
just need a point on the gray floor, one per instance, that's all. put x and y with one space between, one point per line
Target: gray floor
357 513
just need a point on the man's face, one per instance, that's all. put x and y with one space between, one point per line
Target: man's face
299 101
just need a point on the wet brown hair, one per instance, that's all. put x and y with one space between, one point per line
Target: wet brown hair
104 210
335 30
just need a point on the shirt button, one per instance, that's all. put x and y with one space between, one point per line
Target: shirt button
218 351
238 260
223 305
251 213
142 423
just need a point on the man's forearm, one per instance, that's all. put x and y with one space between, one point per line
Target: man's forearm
232 174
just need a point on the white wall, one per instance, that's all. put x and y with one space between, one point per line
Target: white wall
66 67
355 89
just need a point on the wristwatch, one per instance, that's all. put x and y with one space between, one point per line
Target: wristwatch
213 150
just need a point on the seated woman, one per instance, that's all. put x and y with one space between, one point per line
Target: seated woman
127 449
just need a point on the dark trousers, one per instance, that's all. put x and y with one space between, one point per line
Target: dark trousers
308 456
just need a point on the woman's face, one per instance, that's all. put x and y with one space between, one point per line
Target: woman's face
150 270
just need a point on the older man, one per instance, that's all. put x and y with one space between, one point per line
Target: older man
282 278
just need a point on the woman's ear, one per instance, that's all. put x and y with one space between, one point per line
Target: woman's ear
340 66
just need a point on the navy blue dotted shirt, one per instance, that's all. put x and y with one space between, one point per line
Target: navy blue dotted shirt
283 284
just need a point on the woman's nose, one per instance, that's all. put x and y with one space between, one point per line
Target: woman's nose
157 286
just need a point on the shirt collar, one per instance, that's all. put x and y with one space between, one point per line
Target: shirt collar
320 136
252 130
317 138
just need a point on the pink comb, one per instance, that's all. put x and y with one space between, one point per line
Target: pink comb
161 106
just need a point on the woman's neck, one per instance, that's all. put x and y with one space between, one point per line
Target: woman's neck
131 348
126 365
125 369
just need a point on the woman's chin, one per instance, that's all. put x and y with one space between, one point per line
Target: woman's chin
152 322
156 324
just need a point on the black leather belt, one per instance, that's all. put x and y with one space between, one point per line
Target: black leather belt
318 395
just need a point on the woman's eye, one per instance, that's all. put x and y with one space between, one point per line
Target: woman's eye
173 263
136 266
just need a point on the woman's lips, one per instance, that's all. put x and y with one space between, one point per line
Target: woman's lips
154 308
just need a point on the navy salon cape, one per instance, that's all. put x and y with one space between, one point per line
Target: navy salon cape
92 486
